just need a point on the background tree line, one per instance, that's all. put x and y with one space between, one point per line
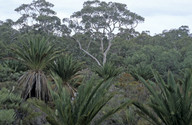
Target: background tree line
101 35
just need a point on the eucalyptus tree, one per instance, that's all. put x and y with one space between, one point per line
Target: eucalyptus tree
101 22
8 36
38 16
7 32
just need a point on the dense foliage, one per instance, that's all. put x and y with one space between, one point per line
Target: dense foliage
36 54
85 106
171 101
84 66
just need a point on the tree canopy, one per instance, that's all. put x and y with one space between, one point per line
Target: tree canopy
101 22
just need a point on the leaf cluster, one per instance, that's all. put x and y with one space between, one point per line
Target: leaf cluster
12 108
90 99
108 70
171 104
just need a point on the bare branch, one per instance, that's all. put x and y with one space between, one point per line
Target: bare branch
80 47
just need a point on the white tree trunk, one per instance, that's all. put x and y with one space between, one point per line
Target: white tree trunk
106 52
89 54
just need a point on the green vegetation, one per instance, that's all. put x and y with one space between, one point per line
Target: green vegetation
171 102
36 54
68 70
13 110
92 68
108 70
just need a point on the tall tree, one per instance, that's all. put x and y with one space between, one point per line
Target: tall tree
8 36
101 22
39 16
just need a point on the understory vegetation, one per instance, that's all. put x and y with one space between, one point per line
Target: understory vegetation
92 68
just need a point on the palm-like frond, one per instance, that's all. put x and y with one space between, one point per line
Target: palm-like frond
37 53
91 98
67 69
172 104
107 71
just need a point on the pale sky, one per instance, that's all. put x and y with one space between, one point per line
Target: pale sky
159 14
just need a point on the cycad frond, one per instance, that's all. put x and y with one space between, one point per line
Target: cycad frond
107 71
67 69
90 99
37 53
172 103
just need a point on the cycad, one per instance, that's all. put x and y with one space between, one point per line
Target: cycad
67 69
171 104
37 53
91 98
108 70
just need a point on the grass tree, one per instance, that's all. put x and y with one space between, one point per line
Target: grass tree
91 98
67 69
36 53
172 104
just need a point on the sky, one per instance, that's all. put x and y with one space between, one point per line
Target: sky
159 14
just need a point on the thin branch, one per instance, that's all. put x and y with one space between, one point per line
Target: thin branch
80 47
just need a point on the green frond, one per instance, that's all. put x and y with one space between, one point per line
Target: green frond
66 68
113 111
171 103
36 53
107 71
51 114
91 97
